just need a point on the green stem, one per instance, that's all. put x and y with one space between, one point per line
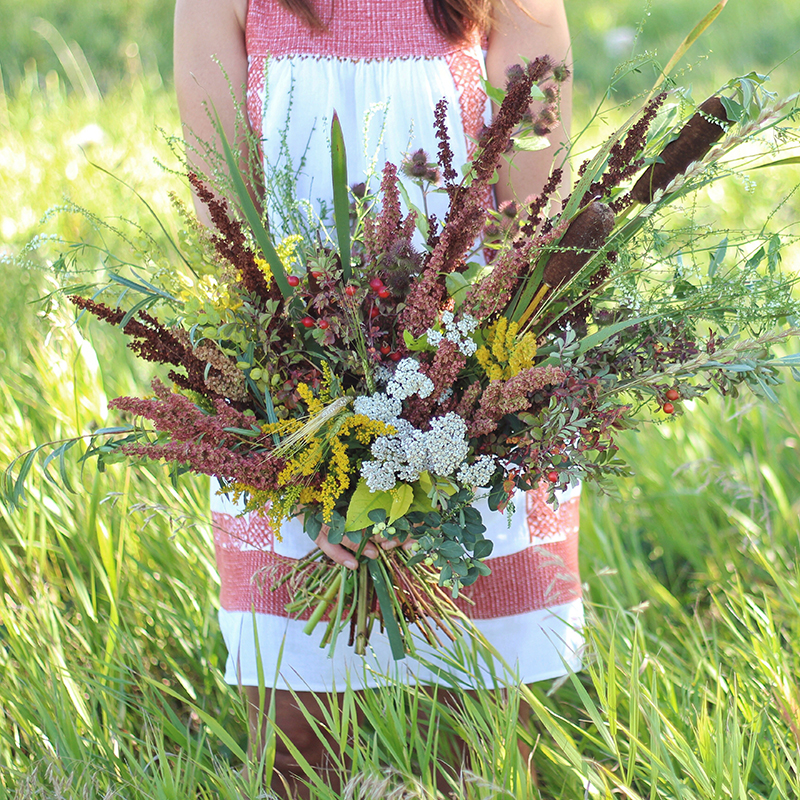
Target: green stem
323 604
361 614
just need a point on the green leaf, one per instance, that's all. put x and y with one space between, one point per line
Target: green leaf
733 110
483 548
767 390
361 503
451 550
493 92
594 339
530 142
451 529
425 481
421 220
421 502
416 344
341 199
718 257
403 496
457 286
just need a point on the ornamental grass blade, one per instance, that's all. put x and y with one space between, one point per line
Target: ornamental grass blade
152 211
211 722
341 200
253 216
781 162
693 36
387 611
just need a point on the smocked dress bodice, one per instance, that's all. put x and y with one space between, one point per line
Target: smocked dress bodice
382 67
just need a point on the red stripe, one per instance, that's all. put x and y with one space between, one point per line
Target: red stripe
538 577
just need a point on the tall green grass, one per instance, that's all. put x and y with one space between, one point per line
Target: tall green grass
110 657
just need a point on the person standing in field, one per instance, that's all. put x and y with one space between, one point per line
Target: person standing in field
382 65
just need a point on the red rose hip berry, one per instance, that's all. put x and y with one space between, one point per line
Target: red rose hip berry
386 349
668 408
350 290
384 293
552 476
308 322
293 280
374 313
376 284
324 324
395 356
673 394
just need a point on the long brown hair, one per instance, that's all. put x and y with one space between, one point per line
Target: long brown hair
455 19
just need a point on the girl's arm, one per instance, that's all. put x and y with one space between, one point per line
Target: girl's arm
209 39
530 28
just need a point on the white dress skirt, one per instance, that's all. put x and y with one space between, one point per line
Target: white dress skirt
382 67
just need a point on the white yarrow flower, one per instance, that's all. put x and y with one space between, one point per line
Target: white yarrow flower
378 406
478 473
459 333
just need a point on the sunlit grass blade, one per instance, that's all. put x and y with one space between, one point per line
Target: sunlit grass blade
686 44
253 216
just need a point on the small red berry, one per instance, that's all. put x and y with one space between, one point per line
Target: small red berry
293 280
384 293
350 290
324 324
668 408
552 476
376 284
673 394
386 349
308 322
316 275
373 312
395 356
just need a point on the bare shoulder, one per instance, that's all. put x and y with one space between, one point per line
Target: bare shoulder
527 14
213 13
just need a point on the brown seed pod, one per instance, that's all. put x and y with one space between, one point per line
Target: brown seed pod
694 141
585 236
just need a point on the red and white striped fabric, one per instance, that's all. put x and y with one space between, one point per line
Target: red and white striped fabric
382 67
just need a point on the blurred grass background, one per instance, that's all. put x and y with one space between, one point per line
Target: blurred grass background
109 650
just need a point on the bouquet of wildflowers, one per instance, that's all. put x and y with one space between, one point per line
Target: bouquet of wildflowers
377 386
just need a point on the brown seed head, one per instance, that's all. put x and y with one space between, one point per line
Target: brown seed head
695 139
585 236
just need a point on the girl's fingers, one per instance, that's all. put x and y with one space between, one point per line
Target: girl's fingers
386 544
335 552
342 554
370 551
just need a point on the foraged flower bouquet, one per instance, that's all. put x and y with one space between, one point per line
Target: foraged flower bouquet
378 386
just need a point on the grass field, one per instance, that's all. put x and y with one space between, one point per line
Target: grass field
109 651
